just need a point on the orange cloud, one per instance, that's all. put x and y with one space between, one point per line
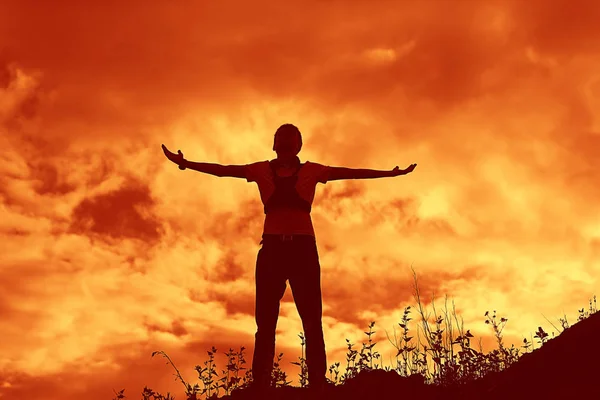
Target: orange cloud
109 252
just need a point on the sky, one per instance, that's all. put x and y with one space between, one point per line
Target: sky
109 252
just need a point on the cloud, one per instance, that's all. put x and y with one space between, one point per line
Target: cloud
124 213
559 29
110 252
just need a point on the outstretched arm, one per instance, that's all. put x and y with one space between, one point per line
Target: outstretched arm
338 173
235 171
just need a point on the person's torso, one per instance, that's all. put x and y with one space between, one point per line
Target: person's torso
287 202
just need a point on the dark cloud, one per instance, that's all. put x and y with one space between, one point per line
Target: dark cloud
141 58
49 180
124 213
228 268
385 294
560 28
176 328
234 302
338 198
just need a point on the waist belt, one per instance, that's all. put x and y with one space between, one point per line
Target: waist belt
270 237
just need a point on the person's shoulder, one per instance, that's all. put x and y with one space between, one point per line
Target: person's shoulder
257 171
258 163
317 170
316 165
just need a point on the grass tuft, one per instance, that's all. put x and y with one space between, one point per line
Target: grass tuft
444 358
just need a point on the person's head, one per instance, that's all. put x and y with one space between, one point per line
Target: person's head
287 141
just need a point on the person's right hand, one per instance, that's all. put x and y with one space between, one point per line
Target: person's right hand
176 158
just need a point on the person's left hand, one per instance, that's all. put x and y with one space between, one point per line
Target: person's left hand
396 171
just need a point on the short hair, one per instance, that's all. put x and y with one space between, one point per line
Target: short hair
287 129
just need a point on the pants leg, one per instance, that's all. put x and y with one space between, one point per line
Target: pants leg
305 282
270 287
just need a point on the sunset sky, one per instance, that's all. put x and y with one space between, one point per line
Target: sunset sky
109 252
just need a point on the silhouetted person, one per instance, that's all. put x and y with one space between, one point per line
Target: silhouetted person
289 249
